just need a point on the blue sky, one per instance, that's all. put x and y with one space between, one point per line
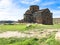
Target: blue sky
15 9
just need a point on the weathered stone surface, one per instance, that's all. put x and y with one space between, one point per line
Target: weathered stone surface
34 15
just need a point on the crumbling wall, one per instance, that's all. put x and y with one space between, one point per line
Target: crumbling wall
34 15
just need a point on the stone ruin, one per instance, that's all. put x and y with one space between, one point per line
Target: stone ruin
34 15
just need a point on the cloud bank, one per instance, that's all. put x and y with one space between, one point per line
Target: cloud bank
56 13
30 1
9 11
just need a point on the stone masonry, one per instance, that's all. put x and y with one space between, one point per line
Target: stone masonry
34 15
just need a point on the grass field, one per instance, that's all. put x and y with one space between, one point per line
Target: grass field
12 27
23 27
15 27
49 40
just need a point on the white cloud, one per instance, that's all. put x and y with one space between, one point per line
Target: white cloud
30 1
56 13
9 11
47 3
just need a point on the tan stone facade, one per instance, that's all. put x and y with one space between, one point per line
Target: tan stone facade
34 15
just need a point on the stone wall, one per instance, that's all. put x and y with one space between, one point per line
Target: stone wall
34 15
34 8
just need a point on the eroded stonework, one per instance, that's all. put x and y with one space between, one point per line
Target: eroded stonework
34 15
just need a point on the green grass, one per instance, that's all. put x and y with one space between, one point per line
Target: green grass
16 27
22 27
55 26
12 27
18 41
50 40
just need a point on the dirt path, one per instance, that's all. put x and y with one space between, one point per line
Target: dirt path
33 33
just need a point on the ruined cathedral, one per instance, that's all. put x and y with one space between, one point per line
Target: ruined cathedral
36 15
